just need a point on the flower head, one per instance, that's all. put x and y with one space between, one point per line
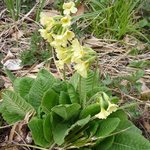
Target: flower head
112 107
44 33
69 35
46 21
59 40
103 114
82 68
69 8
66 21
64 54
59 64
78 51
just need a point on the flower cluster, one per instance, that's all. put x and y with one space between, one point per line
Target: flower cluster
106 106
57 31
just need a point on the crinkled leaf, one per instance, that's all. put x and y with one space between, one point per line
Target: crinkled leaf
60 86
50 99
105 144
87 85
130 141
119 114
74 80
93 126
36 127
107 126
47 128
43 82
67 111
14 106
59 133
64 98
22 86
72 94
92 110
62 130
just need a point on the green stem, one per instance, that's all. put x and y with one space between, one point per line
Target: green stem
95 73
80 89
64 73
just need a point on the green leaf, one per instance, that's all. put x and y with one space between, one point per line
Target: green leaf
129 126
82 122
135 76
15 106
43 82
93 126
64 98
119 114
50 99
59 133
47 128
74 80
130 141
140 64
92 80
76 127
36 127
67 111
22 86
72 94
142 23
92 110
10 75
60 86
107 126
87 85
105 144
124 124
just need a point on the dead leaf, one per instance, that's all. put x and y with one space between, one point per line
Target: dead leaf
8 56
145 95
147 126
81 10
15 49
10 148
7 82
13 64
50 13
46 2
17 35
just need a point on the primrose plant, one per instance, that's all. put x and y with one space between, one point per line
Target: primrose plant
69 114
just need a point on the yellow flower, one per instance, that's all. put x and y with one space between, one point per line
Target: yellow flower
64 54
81 68
112 107
44 33
47 36
78 51
59 64
59 40
66 21
103 114
46 21
103 99
69 35
69 8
